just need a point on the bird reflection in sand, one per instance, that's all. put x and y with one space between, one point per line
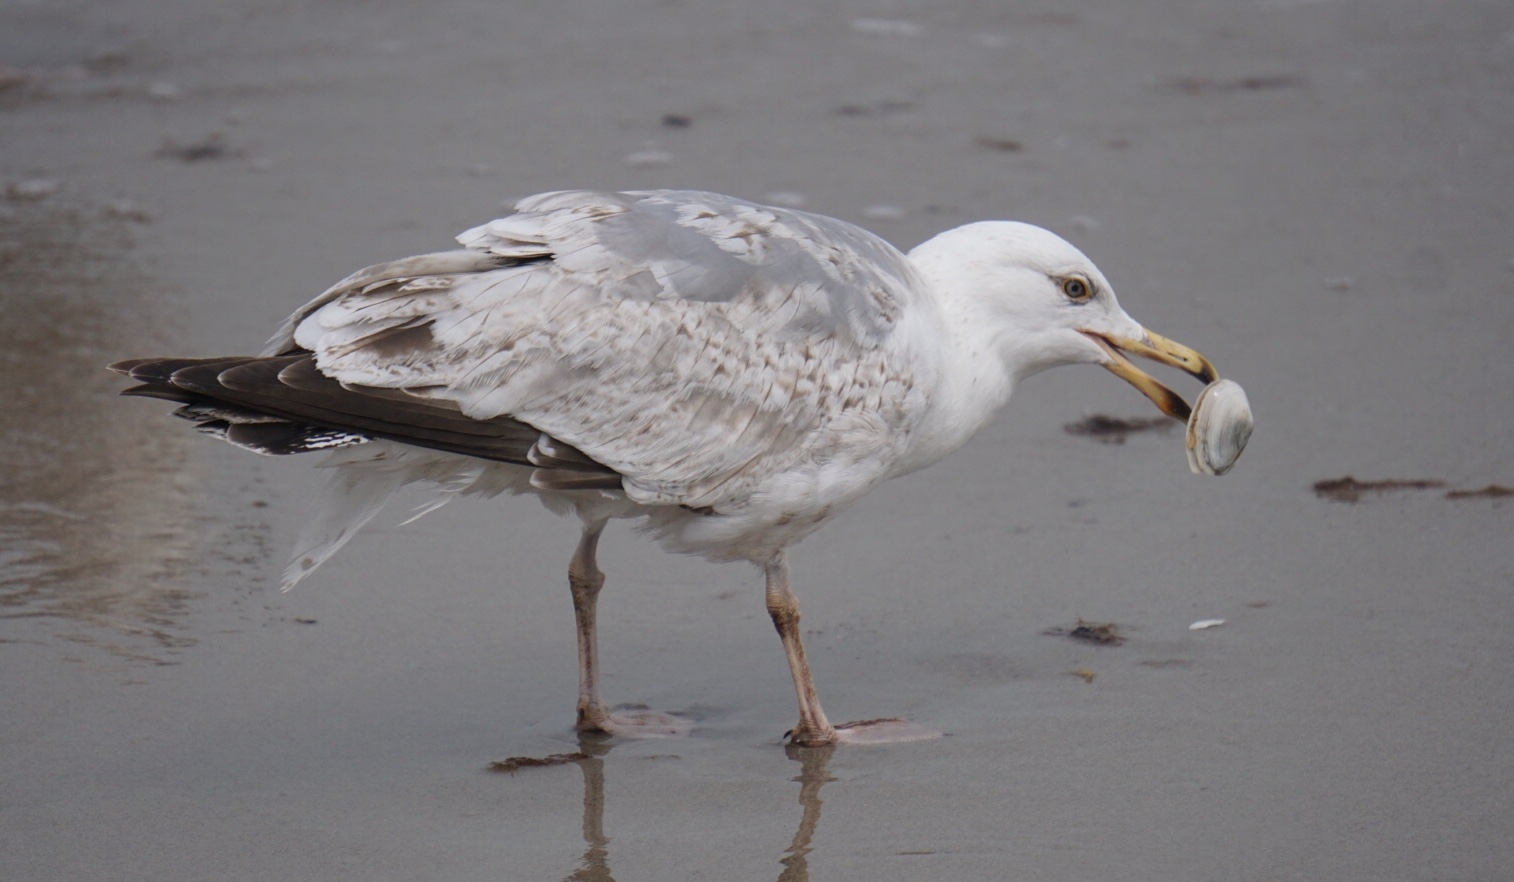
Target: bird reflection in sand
812 776
98 520
594 866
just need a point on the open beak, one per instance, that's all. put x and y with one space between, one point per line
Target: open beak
1156 348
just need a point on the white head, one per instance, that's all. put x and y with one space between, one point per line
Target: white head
1034 301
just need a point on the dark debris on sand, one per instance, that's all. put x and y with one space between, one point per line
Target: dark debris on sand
1349 489
1102 633
1108 429
516 763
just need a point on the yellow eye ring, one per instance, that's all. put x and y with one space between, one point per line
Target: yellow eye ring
1077 288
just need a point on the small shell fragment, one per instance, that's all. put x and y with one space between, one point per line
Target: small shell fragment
651 157
1218 428
1206 624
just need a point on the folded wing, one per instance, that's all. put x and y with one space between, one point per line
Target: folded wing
689 344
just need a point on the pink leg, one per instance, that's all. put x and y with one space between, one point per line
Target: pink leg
814 730
585 581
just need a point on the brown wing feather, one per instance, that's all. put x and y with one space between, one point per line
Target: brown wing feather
292 388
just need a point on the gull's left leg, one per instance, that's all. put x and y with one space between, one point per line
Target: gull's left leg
814 730
585 581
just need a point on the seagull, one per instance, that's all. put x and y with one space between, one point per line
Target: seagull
727 374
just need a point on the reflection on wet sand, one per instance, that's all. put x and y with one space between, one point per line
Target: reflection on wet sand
813 774
594 866
97 510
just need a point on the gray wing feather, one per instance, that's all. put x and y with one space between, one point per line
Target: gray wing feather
706 247
695 343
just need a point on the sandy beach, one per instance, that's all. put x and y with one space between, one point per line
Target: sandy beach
1314 193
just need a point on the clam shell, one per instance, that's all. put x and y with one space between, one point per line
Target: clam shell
1218 428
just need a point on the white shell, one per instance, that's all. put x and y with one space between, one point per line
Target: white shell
1218 428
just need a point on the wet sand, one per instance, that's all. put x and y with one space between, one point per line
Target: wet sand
1315 194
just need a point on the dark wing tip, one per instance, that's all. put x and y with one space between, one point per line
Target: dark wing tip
162 391
128 365
161 370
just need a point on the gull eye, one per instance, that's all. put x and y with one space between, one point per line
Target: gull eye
1077 288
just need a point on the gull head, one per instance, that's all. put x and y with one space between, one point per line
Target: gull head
1027 296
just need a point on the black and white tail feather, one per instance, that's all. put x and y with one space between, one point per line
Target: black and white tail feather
230 399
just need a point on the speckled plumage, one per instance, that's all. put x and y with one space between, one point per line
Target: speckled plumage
708 350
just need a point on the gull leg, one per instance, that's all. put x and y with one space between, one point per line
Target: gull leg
585 581
814 730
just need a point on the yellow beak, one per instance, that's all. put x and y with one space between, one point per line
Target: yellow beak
1156 348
